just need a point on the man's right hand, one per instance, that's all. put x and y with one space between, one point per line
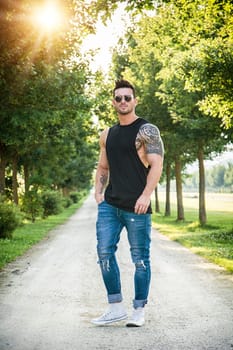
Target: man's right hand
99 197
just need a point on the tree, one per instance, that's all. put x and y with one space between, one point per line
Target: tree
171 48
107 7
142 66
228 177
43 95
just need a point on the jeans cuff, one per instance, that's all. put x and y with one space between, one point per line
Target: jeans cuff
115 298
139 303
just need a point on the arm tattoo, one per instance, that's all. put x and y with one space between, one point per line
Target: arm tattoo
103 181
149 136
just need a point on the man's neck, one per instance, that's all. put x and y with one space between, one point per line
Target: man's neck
126 119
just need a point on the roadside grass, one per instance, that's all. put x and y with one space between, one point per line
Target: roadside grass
214 241
30 233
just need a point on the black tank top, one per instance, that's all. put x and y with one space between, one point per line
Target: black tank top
128 174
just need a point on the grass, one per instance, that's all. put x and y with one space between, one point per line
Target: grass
29 234
214 241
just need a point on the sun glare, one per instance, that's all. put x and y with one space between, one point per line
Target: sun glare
48 17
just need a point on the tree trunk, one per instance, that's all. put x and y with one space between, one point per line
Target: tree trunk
180 207
168 183
3 162
202 206
65 191
14 179
156 201
26 178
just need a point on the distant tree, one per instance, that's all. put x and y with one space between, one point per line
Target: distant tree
228 177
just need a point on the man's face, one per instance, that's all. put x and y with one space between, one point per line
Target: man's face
124 101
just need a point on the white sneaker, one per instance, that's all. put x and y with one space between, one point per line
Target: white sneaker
114 313
138 318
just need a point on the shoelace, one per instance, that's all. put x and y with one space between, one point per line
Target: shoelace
106 314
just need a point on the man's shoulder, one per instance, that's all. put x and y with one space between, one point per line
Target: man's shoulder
149 135
148 127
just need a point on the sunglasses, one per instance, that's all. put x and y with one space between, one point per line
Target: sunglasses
127 98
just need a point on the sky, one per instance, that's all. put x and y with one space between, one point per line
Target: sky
105 38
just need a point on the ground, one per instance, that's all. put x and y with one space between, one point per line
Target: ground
49 296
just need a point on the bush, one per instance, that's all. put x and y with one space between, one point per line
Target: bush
32 205
52 203
10 219
75 196
66 202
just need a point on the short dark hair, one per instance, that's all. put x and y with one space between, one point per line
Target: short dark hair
124 84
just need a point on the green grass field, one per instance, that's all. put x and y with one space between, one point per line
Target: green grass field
214 241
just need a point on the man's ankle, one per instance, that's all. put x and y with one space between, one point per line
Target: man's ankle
116 306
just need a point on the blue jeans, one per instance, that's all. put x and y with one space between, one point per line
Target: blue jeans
110 223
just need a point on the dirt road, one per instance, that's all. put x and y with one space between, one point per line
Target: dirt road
48 297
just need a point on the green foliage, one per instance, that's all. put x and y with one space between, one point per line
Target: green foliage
184 79
210 67
52 203
75 196
10 219
219 178
45 112
102 108
222 236
228 176
67 202
106 8
32 204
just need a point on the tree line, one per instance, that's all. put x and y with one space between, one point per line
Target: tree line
179 56
177 53
218 178
47 138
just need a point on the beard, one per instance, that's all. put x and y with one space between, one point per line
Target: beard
124 111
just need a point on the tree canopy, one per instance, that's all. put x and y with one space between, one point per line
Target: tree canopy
45 111
177 53
179 58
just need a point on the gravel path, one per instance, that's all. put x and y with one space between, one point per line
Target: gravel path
48 297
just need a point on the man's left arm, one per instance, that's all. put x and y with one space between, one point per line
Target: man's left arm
154 151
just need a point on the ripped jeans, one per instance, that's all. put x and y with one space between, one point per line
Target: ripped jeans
110 222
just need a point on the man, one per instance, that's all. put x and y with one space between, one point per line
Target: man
129 169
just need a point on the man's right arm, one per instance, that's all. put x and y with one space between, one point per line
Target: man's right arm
101 178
